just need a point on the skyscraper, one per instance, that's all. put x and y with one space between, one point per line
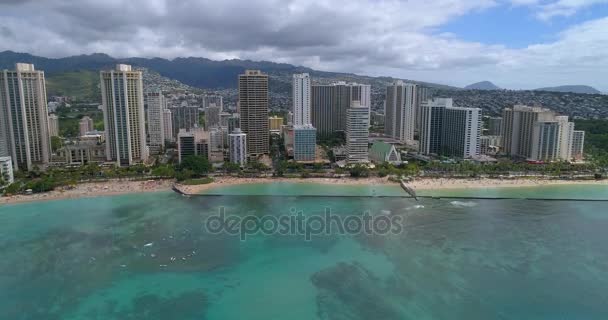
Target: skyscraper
400 117
253 109
168 125
238 147
330 102
124 119
53 125
193 142
422 95
156 129
85 125
24 131
234 122
301 95
431 122
461 132
357 133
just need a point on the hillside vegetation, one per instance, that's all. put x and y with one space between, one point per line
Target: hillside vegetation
82 85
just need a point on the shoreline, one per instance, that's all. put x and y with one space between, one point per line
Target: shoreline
419 184
118 187
92 190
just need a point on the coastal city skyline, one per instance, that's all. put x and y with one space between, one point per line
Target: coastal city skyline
303 160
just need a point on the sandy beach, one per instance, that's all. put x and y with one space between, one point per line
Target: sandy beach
117 187
418 184
94 189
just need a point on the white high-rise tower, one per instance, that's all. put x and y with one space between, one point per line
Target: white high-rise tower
301 99
24 126
124 119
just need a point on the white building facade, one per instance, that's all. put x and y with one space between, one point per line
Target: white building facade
304 142
238 147
301 96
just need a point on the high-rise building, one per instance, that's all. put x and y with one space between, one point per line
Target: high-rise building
304 142
124 119
578 144
209 100
193 142
301 96
185 117
234 122
400 108
253 109
53 125
85 125
275 124
156 129
238 147
518 127
494 126
330 102
24 126
212 116
431 124
422 95
6 171
461 132
357 133
538 134
168 125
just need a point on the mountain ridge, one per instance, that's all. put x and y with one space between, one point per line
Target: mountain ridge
571 89
194 71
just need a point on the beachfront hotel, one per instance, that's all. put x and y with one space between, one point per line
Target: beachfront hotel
24 126
578 145
124 119
357 133
304 142
537 134
448 130
156 134
253 110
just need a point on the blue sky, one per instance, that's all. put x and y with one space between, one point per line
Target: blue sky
516 26
517 44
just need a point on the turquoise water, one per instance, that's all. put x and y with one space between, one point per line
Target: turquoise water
147 256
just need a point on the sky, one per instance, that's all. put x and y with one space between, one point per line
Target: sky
517 44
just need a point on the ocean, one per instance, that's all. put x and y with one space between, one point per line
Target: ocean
152 256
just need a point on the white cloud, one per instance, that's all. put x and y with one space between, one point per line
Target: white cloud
547 10
391 37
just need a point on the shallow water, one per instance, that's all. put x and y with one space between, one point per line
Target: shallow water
147 256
